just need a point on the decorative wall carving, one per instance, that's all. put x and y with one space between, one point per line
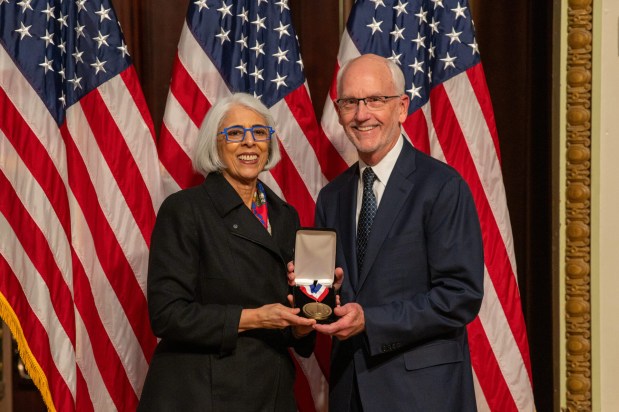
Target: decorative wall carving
578 207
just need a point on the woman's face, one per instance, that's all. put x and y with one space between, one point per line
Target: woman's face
243 161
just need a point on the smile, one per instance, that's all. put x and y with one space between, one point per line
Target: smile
248 157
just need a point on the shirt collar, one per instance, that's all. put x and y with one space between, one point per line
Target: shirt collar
383 169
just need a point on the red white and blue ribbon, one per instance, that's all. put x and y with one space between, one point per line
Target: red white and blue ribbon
315 291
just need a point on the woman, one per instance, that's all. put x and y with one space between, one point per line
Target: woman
217 279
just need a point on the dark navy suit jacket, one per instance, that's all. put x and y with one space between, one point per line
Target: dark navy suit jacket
422 282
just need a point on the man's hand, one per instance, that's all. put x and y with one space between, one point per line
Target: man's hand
350 323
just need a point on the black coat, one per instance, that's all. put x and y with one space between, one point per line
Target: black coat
210 258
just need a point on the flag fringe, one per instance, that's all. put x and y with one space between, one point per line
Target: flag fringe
32 366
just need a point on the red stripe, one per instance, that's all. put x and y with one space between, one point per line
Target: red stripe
112 259
188 94
108 362
36 158
294 189
117 155
36 337
331 163
83 401
302 390
130 77
416 128
36 247
176 161
497 260
485 364
480 88
322 351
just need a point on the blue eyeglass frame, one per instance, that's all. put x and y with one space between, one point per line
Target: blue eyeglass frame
245 130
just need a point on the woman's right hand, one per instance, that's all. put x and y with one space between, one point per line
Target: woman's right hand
272 316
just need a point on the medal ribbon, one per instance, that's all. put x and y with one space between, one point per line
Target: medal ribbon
316 291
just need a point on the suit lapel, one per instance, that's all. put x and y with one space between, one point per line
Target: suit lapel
238 218
398 189
347 211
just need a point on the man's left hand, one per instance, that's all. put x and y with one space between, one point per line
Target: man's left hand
351 322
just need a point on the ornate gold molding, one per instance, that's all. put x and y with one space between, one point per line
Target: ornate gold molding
578 206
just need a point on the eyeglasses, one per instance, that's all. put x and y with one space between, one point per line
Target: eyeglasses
349 104
236 134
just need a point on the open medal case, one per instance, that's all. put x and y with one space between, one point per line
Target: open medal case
314 266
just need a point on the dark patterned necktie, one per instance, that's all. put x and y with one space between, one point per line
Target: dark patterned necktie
366 216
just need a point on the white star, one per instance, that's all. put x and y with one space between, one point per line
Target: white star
49 38
422 15
243 42
419 40
81 5
224 9
103 13
78 56
63 47
257 96
437 3
474 46
417 66
281 55
434 25
375 25
76 82
25 4
242 67
79 30
244 15
395 57
449 61
62 20
101 40
98 65
401 8
23 30
454 36
279 81
430 75
259 22
282 29
459 11
47 65
414 91
123 49
61 72
283 4
3 1
397 33
258 48
431 50
377 3
257 74
300 63
49 11
62 99
223 35
262 1
201 4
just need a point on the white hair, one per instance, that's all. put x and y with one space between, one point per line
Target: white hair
205 156
397 77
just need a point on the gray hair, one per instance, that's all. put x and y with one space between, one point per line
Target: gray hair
205 156
397 76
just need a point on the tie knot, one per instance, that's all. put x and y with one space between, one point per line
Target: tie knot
368 177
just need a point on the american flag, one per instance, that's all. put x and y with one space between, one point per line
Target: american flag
80 185
250 46
451 118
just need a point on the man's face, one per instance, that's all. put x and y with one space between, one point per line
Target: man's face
373 132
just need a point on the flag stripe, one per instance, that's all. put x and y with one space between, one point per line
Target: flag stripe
176 161
188 95
113 148
115 265
34 340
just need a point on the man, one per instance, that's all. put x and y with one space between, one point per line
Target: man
413 283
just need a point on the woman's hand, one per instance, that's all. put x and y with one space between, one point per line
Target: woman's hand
338 277
273 316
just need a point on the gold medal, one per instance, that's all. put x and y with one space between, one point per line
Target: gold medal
317 310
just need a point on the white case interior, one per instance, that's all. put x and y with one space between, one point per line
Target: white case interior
314 256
